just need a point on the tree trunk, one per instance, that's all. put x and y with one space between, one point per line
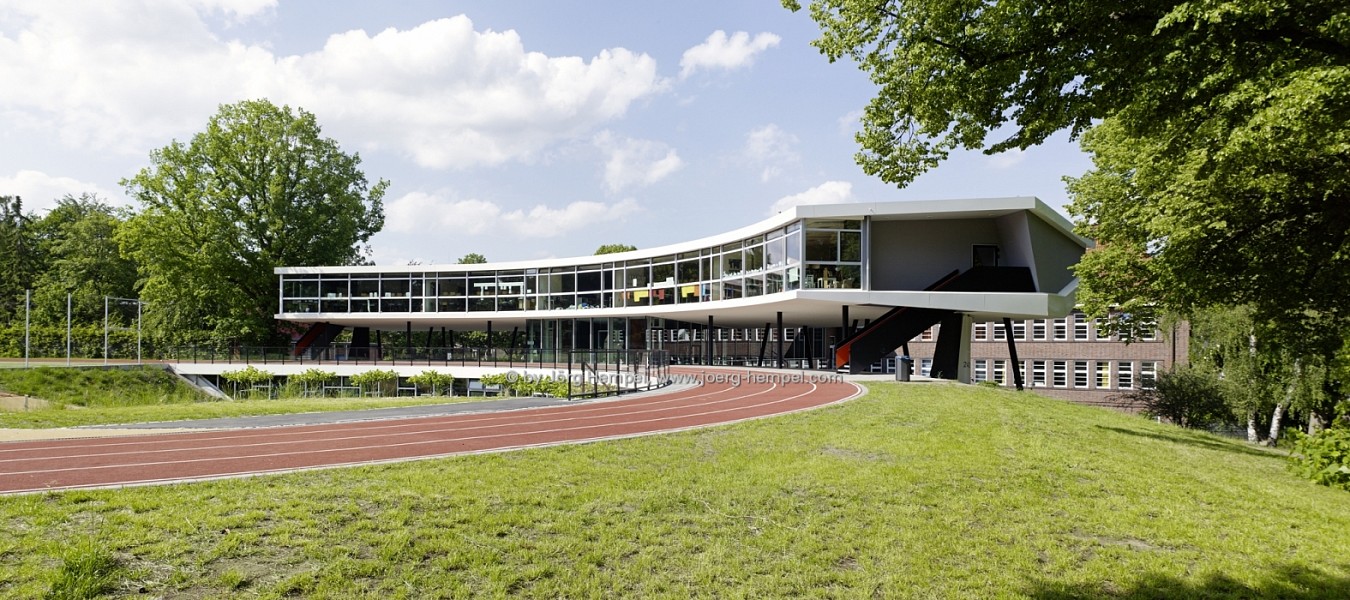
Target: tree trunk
1314 423
1251 428
1275 425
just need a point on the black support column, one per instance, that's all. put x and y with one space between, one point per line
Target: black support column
1012 352
708 343
780 340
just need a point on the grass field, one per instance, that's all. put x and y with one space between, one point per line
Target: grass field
911 491
114 396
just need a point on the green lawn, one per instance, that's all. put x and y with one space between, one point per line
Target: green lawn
911 491
209 409
151 394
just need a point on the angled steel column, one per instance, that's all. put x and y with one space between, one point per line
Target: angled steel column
780 340
1012 352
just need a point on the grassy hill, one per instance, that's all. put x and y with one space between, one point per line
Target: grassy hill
910 491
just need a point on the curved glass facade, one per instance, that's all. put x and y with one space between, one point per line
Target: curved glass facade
811 253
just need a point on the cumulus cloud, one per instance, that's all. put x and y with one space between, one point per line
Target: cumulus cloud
771 149
1007 159
830 192
127 77
633 162
40 191
721 51
423 212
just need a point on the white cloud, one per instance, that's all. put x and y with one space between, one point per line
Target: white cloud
851 122
830 192
771 149
542 221
633 162
40 191
720 51
1007 159
128 77
420 212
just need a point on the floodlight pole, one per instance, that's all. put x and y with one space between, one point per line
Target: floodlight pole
27 310
67 329
138 331
105 331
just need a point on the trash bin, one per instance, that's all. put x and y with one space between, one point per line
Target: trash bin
903 366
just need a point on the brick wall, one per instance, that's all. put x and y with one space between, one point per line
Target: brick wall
1095 371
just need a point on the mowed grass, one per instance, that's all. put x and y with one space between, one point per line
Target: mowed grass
151 394
911 491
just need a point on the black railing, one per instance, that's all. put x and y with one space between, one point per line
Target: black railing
594 373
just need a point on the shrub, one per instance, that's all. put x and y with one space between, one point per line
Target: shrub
250 378
1324 458
1186 396
377 381
310 380
435 382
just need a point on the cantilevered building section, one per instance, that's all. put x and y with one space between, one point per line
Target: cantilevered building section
836 286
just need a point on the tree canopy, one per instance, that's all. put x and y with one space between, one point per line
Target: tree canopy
1218 130
472 258
258 189
614 249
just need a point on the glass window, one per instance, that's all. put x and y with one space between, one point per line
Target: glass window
1038 329
1148 374
588 281
688 271
1125 375
450 287
1061 329
300 288
1080 374
981 370
850 246
1080 326
638 276
1059 373
333 288
981 332
775 253
754 286
754 258
794 248
366 288
1103 375
1038 373
822 246
663 274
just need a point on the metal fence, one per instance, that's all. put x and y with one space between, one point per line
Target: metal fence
593 373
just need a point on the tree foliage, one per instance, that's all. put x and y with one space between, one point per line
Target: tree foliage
1187 396
614 249
1222 159
259 188
18 255
472 258
77 240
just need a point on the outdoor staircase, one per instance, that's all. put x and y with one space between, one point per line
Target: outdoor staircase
882 336
316 339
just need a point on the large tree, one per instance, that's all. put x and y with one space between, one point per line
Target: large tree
77 240
20 261
259 188
1223 154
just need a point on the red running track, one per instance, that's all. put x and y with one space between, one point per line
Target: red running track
724 396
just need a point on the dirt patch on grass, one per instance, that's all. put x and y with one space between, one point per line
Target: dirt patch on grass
12 402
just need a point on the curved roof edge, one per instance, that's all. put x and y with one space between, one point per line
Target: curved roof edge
893 210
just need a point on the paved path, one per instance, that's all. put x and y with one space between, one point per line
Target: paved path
724 396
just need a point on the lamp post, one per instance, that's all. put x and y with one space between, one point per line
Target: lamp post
68 294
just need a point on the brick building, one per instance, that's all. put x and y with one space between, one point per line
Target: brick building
1065 358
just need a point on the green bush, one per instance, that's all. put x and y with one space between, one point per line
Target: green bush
1186 396
376 381
434 383
309 382
1324 458
249 378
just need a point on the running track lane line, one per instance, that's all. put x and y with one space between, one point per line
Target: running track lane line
99 471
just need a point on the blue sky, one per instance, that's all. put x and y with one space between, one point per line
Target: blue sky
516 130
